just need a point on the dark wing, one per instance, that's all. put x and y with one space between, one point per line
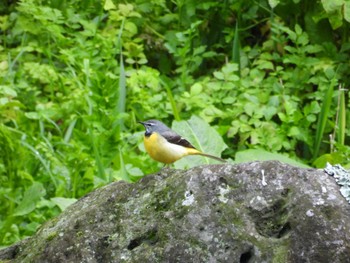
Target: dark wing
174 138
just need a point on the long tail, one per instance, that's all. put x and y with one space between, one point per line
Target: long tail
211 156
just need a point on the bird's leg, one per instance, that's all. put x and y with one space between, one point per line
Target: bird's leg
165 167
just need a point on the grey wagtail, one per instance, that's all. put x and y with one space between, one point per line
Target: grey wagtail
166 146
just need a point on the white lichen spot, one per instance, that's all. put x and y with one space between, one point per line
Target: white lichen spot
332 197
189 199
258 203
206 236
263 181
223 192
61 234
319 201
338 242
310 213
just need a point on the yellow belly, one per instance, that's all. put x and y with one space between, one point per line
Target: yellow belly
163 151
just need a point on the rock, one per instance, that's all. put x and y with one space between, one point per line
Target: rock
215 213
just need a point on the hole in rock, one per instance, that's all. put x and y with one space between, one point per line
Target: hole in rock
149 237
246 256
284 230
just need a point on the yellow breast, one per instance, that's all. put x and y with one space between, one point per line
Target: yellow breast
163 151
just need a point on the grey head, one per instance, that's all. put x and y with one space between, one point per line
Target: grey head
154 126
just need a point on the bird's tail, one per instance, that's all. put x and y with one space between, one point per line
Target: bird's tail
212 156
193 151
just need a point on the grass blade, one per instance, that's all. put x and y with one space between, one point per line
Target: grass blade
100 167
322 118
45 163
236 50
341 122
124 174
122 87
120 108
167 83
69 131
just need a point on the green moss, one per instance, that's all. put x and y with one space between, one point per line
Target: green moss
51 236
281 254
231 214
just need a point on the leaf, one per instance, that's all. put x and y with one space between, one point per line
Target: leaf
347 11
109 5
262 155
63 202
7 91
323 117
332 158
31 196
341 129
273 3
32 115
334 12
196 89
123 172
166 82
69 131
219 75
332 6
236 49
203 137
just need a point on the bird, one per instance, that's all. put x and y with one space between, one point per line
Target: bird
166 146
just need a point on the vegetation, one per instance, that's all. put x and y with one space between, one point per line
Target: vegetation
76 76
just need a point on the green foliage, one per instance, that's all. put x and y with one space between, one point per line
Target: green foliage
203 137
262 155
327 101
76 76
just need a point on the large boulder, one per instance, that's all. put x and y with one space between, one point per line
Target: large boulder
252 212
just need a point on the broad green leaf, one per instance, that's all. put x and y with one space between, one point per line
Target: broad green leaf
294 131
219 75
332 158
31 196
334 10
332 6
32 115
8 91
63 202
109 5
196 89
262 155
125 9
347 11
336 20
201 136
273 3
228 100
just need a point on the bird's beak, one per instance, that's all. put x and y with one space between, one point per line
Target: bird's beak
141 123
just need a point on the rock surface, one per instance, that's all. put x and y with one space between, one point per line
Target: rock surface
216 213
